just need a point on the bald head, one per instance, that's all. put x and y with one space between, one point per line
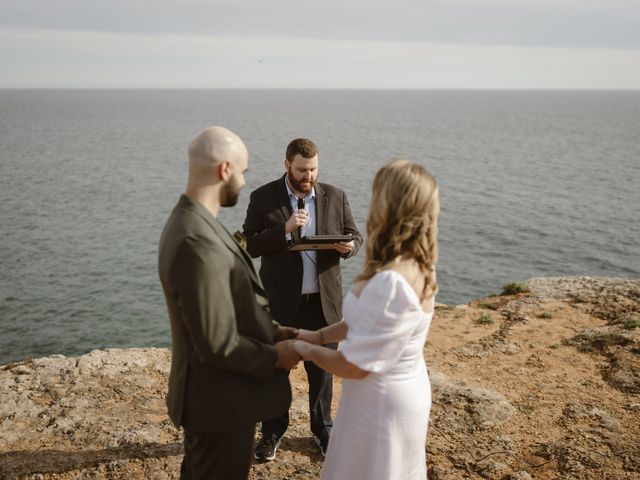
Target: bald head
218 159
215 145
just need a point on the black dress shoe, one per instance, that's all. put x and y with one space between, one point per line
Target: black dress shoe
267 448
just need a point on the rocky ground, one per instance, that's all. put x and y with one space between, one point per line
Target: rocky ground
544 385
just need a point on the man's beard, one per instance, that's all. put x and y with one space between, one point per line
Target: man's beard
300 186
231 193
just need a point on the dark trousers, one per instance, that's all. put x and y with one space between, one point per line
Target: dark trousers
218 455
310 317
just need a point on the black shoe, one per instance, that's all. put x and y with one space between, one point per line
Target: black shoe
267 448
322 445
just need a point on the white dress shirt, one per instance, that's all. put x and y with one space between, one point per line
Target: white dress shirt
309 269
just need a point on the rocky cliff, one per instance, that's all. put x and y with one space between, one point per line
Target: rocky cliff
542 384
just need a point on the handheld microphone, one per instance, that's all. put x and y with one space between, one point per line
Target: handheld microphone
300 207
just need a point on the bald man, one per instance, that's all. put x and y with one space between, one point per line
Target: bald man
227 351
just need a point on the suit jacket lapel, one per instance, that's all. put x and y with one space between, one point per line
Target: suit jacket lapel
238 251
321 210
230 242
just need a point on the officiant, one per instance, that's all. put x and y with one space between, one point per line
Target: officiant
304 287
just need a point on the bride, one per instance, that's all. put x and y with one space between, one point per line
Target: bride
381 426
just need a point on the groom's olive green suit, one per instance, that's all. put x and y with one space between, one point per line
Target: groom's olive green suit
223 374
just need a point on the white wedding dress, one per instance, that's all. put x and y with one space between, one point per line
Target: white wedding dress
381 426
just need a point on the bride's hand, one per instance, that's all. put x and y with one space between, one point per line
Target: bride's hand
309 336
302 348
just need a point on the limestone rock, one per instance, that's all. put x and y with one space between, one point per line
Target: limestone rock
482 408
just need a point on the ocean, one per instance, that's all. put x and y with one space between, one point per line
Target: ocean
533 183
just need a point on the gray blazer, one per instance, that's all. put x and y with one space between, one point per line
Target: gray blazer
223 371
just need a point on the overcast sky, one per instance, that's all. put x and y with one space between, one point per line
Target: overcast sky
564 44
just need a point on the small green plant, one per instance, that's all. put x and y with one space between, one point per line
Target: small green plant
554 346
513 289
546 315
484 305
631 324
483 320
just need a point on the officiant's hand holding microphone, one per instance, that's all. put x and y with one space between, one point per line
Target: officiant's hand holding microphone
298 219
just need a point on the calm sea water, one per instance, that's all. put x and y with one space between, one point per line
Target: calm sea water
532 183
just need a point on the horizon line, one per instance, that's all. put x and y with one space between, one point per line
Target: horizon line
395 89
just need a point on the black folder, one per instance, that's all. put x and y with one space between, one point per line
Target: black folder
319 242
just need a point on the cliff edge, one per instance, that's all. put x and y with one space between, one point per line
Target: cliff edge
541 383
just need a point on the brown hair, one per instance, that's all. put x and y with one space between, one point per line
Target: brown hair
403 221
301 146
